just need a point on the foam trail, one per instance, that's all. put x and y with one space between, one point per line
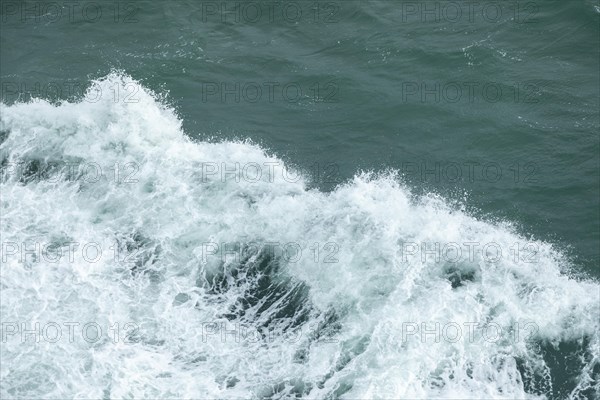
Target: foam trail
347 309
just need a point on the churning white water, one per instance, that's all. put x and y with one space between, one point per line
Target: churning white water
138 263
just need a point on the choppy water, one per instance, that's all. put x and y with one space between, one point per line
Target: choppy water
366 200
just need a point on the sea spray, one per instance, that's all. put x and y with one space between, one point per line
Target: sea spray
135 273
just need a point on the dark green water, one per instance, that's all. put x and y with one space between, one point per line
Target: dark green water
498 100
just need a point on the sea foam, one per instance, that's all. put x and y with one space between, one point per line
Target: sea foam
172 269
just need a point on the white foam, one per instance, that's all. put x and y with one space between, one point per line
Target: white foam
376 289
